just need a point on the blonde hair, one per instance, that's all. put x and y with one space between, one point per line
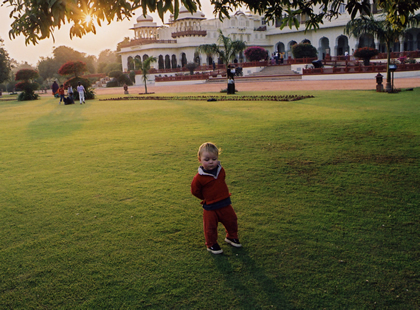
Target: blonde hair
207 147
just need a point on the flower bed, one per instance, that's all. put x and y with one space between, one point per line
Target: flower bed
214 98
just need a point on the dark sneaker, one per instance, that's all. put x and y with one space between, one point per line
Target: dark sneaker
234 242
215 249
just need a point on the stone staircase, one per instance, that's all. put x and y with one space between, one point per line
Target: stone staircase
270 73
102 82
281 72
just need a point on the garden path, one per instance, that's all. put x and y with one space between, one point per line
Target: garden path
261 85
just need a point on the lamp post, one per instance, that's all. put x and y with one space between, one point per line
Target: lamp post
392 69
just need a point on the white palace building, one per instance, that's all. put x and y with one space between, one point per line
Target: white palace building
174 43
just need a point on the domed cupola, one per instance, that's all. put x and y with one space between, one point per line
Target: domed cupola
145 28
187 24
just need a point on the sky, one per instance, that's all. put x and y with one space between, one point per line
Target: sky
107 37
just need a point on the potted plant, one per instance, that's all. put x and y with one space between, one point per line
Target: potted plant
366 53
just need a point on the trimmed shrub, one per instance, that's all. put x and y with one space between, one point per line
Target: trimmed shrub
303 50
191 67
112 83
256 53
27 87
124 79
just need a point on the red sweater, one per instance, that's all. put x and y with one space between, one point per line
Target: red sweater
211 189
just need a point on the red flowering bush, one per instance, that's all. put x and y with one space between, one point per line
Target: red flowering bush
75 68
256 53
366 53
21 85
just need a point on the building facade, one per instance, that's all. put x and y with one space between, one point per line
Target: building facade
174 43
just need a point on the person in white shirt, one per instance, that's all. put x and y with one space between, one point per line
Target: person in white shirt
81 91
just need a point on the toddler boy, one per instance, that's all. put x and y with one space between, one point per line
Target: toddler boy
61 93
210 186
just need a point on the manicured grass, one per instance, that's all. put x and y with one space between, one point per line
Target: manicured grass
96 210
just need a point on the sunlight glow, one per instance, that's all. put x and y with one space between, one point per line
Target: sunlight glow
88 18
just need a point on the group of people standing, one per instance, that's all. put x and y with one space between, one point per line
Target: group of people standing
60 91
277 58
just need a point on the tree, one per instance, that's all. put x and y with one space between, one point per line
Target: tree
111 67
26 76
303 50
107 57
63 54
37 20
382 29
4 64
209 49
144 66
256 53
48 68
226 50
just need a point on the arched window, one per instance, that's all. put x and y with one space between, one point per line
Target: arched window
136 66
130 63
280 47
197 58
418 41
161 63
408 42
324 48
174 64
342 45
167 62
183 59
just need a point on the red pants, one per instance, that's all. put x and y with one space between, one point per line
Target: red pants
227 217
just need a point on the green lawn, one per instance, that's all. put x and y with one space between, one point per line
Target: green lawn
96 209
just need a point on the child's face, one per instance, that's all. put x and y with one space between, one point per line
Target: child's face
208 160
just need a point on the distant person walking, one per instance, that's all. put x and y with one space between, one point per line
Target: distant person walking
81 90
54 88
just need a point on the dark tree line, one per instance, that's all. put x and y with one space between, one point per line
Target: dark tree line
37 20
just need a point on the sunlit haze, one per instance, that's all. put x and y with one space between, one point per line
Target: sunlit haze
107 37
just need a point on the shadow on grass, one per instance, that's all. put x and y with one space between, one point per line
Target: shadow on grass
60 122
248 281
